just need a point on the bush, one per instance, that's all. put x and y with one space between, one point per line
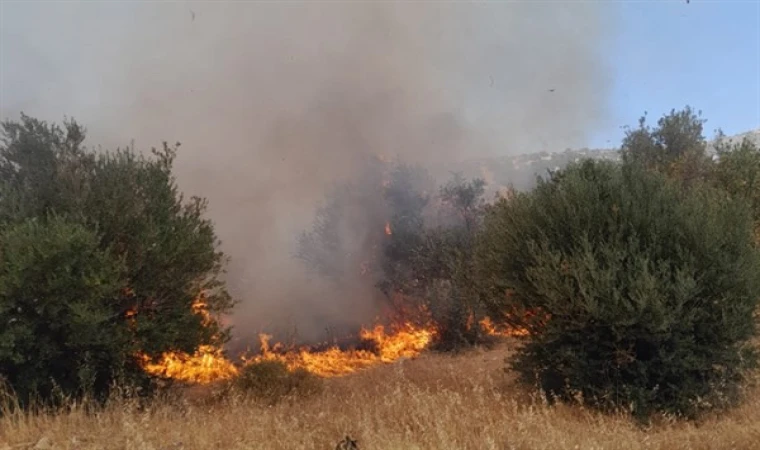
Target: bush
133 211
432 265
271 381
59 333
417 265
737 171
676 147
638 294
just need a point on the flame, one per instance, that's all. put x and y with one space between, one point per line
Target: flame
405 341
206 365
390 343
388 228
402 339
489 328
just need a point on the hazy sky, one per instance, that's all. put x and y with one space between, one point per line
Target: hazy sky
706 54
663 54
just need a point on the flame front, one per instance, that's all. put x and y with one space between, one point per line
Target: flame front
404 341
389 343
388 228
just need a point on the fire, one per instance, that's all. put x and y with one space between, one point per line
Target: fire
206 365
404 341
489 328
388 228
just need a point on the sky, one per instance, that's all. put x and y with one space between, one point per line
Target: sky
670 54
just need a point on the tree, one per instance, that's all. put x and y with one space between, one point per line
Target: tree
445 263
637 292
344 238
381 223
737 171
465 198
132 204
57 292
676 147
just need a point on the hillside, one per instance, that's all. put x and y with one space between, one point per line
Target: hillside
434 402
521 170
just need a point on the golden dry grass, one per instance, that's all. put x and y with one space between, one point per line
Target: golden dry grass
433 402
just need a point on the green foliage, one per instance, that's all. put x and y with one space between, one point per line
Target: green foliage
57 292
638 293
675 147
131 204
737 171
271 381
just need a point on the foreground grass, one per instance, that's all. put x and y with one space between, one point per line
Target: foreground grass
433 402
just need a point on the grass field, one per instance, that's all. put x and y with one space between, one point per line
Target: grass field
432 402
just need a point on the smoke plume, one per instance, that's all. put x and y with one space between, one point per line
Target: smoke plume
275 103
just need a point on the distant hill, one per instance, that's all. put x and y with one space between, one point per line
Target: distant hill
521 170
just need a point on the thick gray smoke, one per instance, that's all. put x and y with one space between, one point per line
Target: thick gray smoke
276 102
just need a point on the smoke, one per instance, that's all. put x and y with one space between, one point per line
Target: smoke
275 103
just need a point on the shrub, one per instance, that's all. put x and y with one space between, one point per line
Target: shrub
737 171
416 265
433 264
675 147
59 333
131 207
271 381
638 293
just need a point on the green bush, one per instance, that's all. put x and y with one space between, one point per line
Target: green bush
639 294
131 207
270 381
57 290
676 147
737 171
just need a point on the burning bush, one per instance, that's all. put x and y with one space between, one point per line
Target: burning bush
122 209
271 381
417 248
649 289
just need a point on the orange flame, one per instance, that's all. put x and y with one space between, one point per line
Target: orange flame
209 364
489 328
406 341
388 228
205 365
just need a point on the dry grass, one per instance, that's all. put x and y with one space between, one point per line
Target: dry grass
433 402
